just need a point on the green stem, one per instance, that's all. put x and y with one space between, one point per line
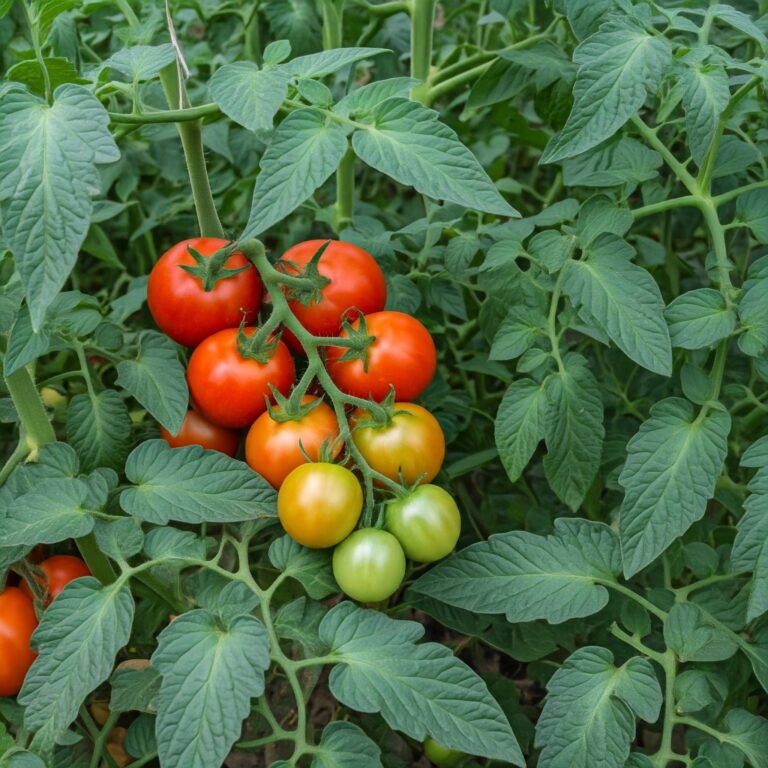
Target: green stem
20 452
36 427
100 744
128 12
422 29
627 592
36 44
333 24
691 723
677 167
191 134
167 115
636 643
683 592
345 190
665 753
142 761
708 209
726 197
665 205
95 559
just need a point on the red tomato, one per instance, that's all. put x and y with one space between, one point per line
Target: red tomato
356 281
197 430
188 313
403 355
59 570
274 448
17 623
232 390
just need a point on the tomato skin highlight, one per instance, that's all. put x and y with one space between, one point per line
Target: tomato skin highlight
441 756
197 430
369 565
403 355
412 443
319 504
182 308
356 281
231 390
59 570
273 448
17 623
426 522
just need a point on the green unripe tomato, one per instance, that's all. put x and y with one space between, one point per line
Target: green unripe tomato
427 523
369 565
441 756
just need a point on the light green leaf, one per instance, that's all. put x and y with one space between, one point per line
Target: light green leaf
623 299
753 313
589 715
529 577
167 543
694 637
305 150
362 101
295 20
752 530
519 425
517 332
600 215
420 689
625 162
618 66
119 539
300 620
748 733
193 485
705 95
248 95
573 430
328 62
78 639
99 428
672 464
406 141
156 379
757 604
344 745
48 158
550 249
752 210
739 20
141 62
311 567
210 672
134 690
699 318
30 72
45 12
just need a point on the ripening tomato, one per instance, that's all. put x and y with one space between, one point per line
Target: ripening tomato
197 430
441 756
181 306
59 570
319 504
232 390
426 522
17 623
356 281
273 448
402 355
412 444
369 565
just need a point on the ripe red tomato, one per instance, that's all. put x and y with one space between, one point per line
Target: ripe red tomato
412 444
274 448
197 430
369 565
231 390
188 313
403 355
17 623
426 522
356 281
319 504
59 570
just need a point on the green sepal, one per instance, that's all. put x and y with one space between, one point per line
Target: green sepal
315 282
210 269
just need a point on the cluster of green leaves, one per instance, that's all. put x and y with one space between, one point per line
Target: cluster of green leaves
609 344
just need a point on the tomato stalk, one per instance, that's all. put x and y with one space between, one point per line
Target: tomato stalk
345 191
191 133
333 23
422 26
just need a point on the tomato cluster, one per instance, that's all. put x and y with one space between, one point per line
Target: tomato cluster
18 619
240 377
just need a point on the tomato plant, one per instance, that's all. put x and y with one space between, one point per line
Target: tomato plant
197 430
17 623
276 445
57 572
369 565
453 320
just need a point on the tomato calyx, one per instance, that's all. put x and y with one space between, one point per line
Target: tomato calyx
309 287
356 337
210 269
289 408
379 415
259 346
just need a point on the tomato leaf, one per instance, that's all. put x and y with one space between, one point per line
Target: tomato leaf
305 150
310 567
192 485
672 464
48 159
328 62
528 577
78 639
210 671
618 66
589 715
141 62
699 318
753 313
405 140
420 689
134 690
693 636
156 379
344 745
